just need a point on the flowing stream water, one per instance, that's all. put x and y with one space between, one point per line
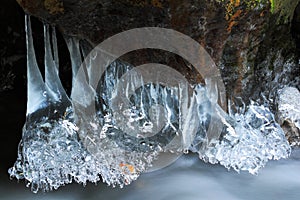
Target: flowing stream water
188 178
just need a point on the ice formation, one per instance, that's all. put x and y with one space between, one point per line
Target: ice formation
288 107
63 141
50 153
249 142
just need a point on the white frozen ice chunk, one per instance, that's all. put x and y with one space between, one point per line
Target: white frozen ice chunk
289 105
250 142
51 155
288 113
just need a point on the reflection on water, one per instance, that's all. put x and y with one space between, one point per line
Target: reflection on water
187 178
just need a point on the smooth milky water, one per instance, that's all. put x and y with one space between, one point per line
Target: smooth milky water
188 178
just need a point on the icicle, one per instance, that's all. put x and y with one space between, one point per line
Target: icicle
50 153
215 126
75 55
82 95
191 124
55 49
86 48
36 91
54 86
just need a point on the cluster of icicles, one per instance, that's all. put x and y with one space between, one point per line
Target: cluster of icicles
58 148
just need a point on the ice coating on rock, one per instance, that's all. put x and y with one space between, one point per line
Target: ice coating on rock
116 130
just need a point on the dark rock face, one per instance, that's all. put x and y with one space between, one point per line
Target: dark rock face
95 21
296 27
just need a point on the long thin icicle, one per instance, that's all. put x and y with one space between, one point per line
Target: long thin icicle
35 85
55 49
75 55
54 86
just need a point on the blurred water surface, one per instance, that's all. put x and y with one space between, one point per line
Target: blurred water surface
188 178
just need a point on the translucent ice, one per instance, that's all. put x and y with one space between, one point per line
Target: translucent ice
50 153
116 129
249 141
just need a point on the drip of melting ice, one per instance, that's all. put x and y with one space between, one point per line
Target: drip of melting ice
63 142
